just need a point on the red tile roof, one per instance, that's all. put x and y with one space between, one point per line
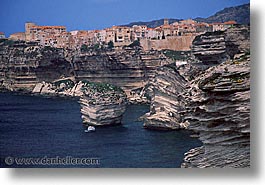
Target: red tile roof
230 22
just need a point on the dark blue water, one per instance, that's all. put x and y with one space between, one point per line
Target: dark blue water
33 126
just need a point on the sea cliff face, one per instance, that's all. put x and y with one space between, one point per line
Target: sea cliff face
48 71
128 68
22 65
170 89
210 96
219 110
210 47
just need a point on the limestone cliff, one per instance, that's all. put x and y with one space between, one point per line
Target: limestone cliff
219 110
211 96
128 68
22 65
170 88
210 47
216 47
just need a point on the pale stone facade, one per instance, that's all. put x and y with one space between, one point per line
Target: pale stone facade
122 34
18 36
217 27
110 35
139 32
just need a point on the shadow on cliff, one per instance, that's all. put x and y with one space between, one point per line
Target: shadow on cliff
165 174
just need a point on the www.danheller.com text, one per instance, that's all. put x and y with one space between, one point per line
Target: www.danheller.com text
68 160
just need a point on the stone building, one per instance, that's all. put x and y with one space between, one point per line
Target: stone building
139 32
28 26
110 34
153 34
18 36
203 27
101 36
217 26
55 36
228 24
80 38
122 34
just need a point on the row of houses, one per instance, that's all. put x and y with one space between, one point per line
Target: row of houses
57 36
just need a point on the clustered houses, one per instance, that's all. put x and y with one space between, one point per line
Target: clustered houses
57 36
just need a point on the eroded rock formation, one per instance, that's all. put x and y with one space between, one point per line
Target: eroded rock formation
23 65
102 104
210 47
168 90
129 69
210 95
219 110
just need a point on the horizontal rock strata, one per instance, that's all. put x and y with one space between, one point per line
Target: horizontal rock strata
219 110
127 68
23 65
210 95
210 47
167 91
102 105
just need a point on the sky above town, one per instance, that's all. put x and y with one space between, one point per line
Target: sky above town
99 14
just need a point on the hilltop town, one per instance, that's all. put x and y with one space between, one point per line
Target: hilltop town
174 36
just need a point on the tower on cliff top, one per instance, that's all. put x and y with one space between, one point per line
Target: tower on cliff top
28 26
166 22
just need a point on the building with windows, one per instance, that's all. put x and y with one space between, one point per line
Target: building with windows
57 36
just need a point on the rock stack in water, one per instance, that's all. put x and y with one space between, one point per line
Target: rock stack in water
102 104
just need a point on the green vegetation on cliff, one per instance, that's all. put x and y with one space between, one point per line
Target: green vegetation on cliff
64 84
101 87
98 93
176 55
